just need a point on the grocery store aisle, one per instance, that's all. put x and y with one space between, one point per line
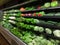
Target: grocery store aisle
3 40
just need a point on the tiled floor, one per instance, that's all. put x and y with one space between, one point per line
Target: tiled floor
3 40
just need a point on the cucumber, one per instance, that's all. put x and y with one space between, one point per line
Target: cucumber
51 22
36 21
42 22
50 14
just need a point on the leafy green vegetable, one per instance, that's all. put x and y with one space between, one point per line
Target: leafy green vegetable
49 31
56 33
47 5
36 28
41 29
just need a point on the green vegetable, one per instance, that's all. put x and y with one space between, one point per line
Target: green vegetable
57 14
30 44
54 3
29 8
41 29
52 22
32 27
9 26
50 14
26 8
37 13
28 40
32 21
49 43
58 24
42 22
32 8
22 24
47 5
27 27
49 31
56 33
36 28
36 21
43 13
28 20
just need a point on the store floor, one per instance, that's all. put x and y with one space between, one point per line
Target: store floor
3 41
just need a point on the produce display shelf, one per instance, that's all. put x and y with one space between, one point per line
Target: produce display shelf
46 25
12 39
42 9
57 17
44 33
18 5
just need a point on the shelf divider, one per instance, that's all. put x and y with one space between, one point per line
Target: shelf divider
12 39
42 9
24 3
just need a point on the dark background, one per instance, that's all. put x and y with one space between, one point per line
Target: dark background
14 2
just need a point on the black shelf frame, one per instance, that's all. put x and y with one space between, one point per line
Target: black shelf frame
12 39
37 17
18 5
35 10
24 3
35 32
45 18
45 25
42 9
